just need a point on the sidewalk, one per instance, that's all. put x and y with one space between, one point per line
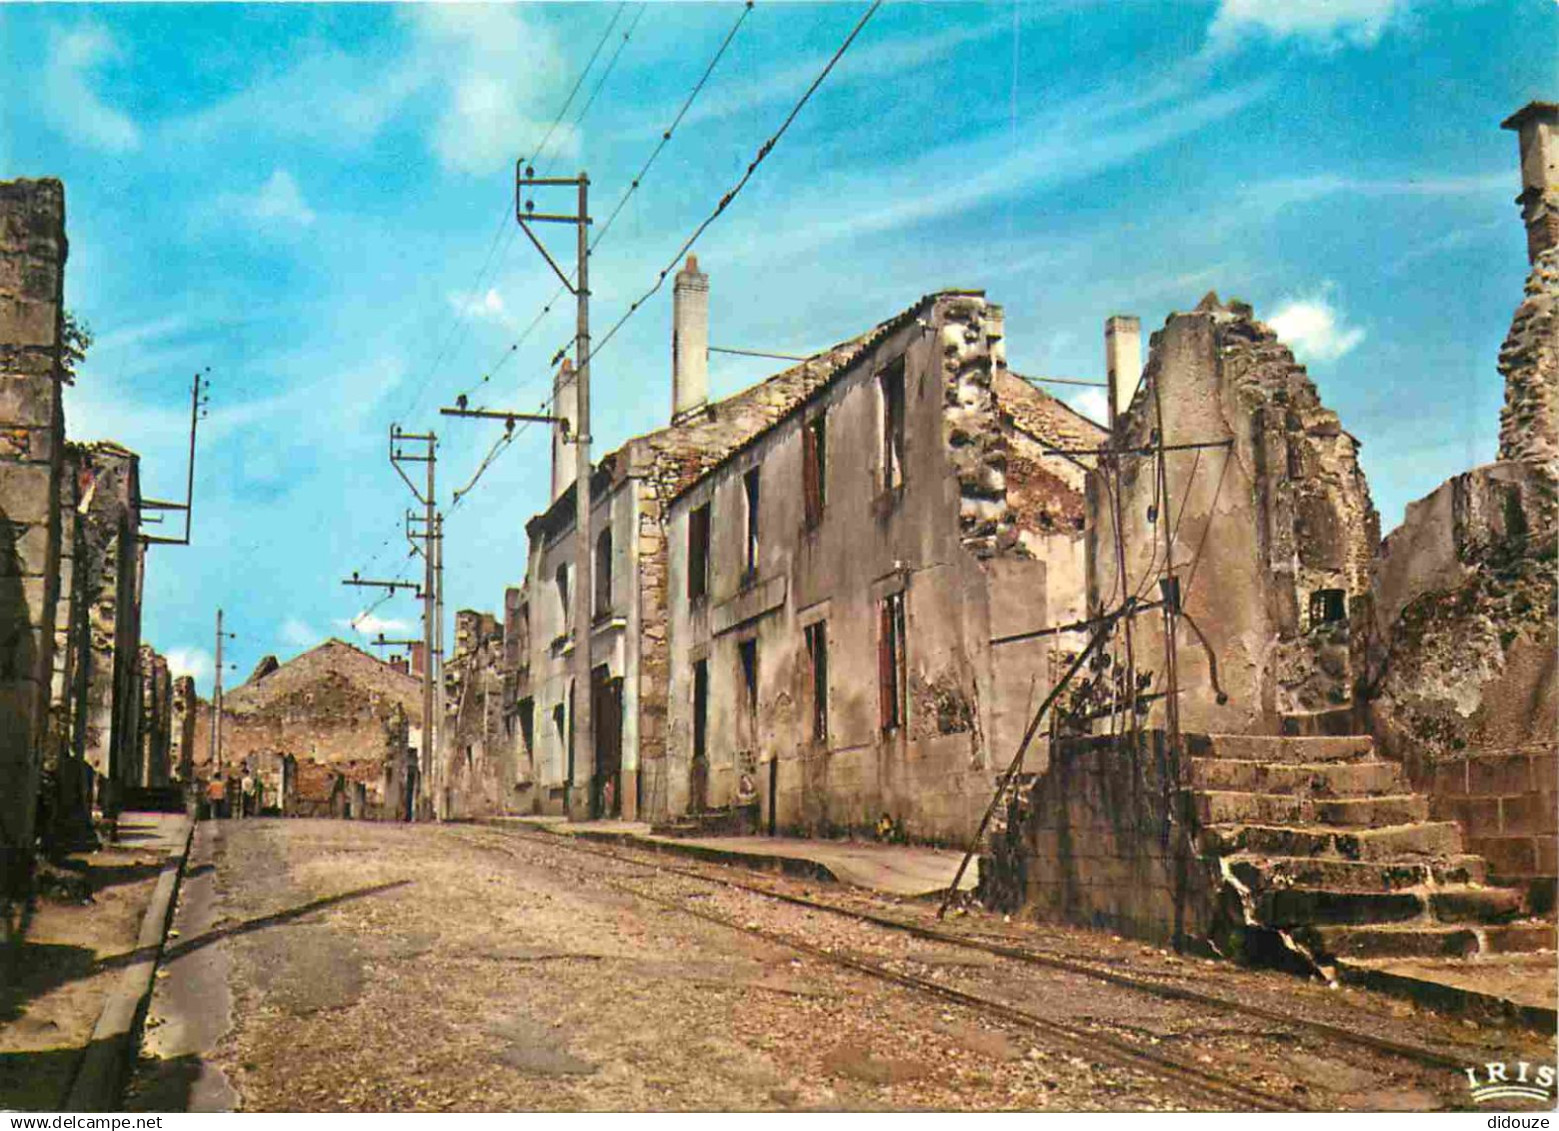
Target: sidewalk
900 870
72 1002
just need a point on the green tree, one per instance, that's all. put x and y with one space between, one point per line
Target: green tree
75 340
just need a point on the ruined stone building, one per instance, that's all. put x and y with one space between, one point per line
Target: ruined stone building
855 590
333 731
32 440
630 651
987 488
1463 638
1365 770
71 565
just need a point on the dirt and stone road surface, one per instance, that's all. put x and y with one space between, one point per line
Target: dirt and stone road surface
342 966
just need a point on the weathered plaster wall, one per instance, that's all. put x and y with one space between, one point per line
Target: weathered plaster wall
950 537
32 436
1259 526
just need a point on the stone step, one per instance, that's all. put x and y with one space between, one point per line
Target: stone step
1397 843
1219 807
1278 748
1336 779
1261 873
1457 904
1337 721
1429 940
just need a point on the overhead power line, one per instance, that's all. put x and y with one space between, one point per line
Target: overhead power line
633 187
763 152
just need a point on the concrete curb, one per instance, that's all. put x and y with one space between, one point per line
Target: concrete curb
1450 999
104 1067
798 866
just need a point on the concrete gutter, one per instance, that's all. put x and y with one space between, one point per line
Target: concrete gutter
104 1067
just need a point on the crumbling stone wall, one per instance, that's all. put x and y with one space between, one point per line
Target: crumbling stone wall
32 435
333 707
115 556
1100 839
181 742
65 797
1264 527
1529 362
1463 641
479 744
156 725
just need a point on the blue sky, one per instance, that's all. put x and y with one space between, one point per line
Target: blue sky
316 203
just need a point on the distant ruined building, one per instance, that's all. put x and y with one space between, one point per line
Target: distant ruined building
333 732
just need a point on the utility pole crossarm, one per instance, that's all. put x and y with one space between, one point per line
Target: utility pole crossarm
371 583
198 399
509 418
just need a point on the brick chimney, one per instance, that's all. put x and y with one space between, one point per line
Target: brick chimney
419 655
689 340
398 662
1537 126
565 403
1122 361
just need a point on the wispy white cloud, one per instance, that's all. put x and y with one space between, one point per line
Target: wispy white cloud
279 201
1066 147
488 307
367 624
493 64
194 662
1315 328
1092 403
1323 24
296 633
69 100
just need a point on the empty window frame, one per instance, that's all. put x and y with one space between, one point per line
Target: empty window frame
603 574
891 668
527 713
817 654
700 709
750 494
747 651
814 468
561 580
1327 606
698 553
892 383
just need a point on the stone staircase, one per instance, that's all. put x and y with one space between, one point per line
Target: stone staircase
1325 850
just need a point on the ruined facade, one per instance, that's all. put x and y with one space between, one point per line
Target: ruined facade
115 558
837 581
478 734
154 765
32 440
1269 525
342 719
1371 775
1463 638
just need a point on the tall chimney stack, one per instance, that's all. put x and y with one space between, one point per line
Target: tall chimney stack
689 340
1537 125
1122 361
565 403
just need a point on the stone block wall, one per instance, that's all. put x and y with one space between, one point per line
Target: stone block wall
1098 840
181 744
32 432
